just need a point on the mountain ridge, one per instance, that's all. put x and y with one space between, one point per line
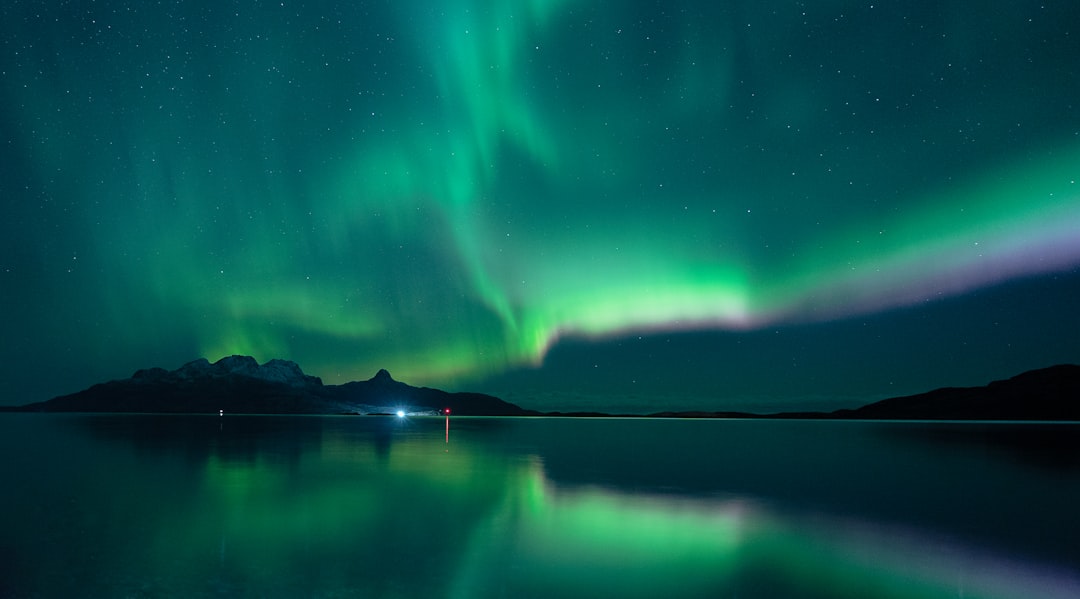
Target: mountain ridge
239 384
1049 394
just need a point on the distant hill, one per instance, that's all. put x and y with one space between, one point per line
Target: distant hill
239 384
1045 394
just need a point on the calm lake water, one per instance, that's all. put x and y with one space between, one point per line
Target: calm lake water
265 506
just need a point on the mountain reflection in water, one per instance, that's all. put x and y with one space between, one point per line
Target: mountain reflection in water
323 506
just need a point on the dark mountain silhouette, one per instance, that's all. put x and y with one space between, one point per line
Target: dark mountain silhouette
1045 394
239 384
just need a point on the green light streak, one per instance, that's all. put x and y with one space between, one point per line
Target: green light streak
1014 221
447 191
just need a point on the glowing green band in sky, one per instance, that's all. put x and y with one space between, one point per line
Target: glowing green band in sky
446 190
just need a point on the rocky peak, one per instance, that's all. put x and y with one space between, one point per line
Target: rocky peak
150 374
383 376
193 369
285 371
245 365
276 371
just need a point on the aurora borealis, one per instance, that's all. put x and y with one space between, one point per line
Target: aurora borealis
565 203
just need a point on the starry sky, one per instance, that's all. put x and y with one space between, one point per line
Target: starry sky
627 206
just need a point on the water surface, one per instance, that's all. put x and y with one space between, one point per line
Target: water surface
270 506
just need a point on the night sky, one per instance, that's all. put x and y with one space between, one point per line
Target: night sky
628 206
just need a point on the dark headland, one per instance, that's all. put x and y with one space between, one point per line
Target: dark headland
1044 394
240 385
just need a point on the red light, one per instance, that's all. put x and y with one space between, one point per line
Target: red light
446 411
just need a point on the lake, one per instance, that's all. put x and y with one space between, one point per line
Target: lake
340 506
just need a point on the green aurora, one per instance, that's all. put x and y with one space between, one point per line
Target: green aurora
451 190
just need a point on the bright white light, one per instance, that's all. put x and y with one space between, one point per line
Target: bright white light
401 413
